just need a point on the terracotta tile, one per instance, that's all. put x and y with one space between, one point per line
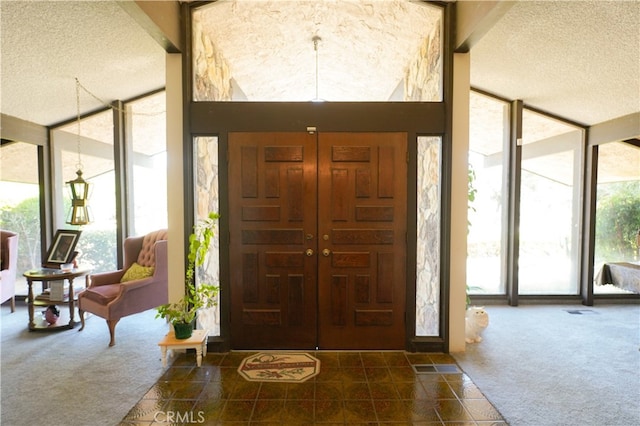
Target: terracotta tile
359 390
182 406
233 359
214 390
350 359
213 359
272 391
402 374
439 358
431 378
305 390
452 410
237 410
412 391
454 377
327 359
359 411
352 374
466 390
422 410
391 410
230 374
180 359
419 358
329 390
298 411
329 411
373 359
204 373
328 374
188 390
268 410
378 374
383 391
438 390
396 359
211 409
176 373
245 390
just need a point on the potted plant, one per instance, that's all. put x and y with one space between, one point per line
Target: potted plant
182 314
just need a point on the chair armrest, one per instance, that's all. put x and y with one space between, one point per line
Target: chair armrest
134 284
103 278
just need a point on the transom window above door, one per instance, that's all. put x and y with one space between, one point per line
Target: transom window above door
292 51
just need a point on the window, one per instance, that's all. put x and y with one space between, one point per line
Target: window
429 203
549 206
207 199
147 148
20 204
145 169
488 137
617 208
97 245
290 51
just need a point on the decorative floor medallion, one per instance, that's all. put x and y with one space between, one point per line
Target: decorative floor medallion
281 367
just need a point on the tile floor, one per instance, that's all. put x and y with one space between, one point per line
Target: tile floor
355 388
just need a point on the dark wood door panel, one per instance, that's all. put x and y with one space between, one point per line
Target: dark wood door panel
362 221
273 280
318 240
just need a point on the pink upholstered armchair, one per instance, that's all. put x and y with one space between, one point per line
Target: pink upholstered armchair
8 267
141 285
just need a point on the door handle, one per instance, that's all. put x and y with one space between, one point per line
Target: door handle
309 252
326 252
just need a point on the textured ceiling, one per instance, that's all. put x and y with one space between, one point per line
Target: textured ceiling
579 60
46 44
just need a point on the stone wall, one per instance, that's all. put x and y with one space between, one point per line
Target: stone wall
423 79
211 75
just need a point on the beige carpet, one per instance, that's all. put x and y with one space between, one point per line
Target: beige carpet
75 378
560 365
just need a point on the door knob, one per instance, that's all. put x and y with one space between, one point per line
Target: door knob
326 252
309 252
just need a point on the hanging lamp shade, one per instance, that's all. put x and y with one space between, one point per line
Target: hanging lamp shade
79 213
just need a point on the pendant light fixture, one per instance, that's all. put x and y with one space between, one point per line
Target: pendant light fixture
316 40
79 213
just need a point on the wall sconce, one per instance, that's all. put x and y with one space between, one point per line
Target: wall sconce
79 213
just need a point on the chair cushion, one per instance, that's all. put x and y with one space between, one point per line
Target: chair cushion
147 252
103 293
137 272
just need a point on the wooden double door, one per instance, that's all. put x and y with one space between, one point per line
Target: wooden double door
317 245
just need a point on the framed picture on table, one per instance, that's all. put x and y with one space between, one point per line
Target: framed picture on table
62 249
